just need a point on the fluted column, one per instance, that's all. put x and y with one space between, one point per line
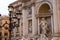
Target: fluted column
25 21
58 13
38 27
34 20
58 10
55 15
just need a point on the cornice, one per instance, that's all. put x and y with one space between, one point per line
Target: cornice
24 1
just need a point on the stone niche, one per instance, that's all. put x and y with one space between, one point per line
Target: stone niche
45 21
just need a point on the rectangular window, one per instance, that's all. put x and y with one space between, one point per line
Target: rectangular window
0 35
29 26
6 34
5 38
0 27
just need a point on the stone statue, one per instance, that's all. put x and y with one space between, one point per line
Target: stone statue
43 26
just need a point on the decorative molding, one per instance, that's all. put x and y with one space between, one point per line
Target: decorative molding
24 1
43 15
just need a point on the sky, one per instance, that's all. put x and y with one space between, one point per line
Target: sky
4 6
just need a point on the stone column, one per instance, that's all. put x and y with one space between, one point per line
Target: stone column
58 10
25 21
38 27
55 15
34 20
58 13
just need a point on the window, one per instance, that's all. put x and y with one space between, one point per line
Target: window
6 34
30 26
0 27
0 33
0 38
0 21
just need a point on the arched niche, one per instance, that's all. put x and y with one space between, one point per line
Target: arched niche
46 13
44 8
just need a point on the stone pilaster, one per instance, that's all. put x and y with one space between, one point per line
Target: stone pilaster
56 18
55 15
58 10
25 21
58 13
34 20
38 27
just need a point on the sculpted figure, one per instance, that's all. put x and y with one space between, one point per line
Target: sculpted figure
43 25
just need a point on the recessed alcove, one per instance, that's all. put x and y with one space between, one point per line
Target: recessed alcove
45 12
